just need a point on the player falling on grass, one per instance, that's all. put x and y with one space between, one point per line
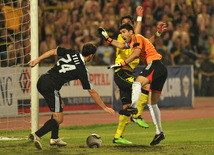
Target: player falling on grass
154 73
70 66
123 78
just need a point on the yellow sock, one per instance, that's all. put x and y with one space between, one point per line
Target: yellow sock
141 104
123 121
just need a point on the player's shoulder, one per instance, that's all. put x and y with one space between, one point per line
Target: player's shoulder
141 38
119 38
138 36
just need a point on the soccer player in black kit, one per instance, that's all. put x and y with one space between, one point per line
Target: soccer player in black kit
70 66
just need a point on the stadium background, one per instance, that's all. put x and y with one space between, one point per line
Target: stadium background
187 41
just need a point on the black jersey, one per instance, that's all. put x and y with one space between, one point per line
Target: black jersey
70 66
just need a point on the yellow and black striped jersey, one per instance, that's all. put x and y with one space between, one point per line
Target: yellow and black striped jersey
122 54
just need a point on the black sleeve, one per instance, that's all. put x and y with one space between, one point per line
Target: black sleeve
84 77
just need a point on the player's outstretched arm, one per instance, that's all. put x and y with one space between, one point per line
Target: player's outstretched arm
98 100
109 40
161 27
43 56
135 54
139 12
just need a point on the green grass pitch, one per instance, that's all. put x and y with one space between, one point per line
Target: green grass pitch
184 137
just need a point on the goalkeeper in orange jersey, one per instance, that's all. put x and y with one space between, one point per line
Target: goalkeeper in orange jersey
123 78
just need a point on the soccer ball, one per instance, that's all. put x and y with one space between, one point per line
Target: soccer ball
94 141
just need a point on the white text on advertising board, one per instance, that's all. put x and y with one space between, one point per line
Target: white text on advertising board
172 88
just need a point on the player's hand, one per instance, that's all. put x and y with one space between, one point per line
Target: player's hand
33 63
139 11
109 110
118 65
105 35
161 27
115 66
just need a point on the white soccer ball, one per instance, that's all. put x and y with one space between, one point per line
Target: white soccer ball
94 141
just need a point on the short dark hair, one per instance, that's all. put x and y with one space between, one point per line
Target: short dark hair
127 27
127 16
88 49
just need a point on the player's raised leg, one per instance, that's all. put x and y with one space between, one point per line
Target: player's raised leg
137 118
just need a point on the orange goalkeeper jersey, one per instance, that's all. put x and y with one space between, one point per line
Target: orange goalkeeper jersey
148 52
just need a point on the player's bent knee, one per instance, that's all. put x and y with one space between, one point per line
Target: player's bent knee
126 106
59 120
146 87
58 117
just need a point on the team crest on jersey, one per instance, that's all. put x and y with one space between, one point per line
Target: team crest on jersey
130 79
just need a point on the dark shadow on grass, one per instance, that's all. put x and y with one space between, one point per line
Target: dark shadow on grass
56 149
136 146
18 143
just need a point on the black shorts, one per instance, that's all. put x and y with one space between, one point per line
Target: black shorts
47 87
156 72
124 80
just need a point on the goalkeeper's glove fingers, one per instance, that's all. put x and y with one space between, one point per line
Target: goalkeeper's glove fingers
118 65
105 35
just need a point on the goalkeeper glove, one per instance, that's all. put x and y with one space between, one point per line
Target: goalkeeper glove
105 35
118 65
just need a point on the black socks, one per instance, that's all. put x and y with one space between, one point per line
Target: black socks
50 125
